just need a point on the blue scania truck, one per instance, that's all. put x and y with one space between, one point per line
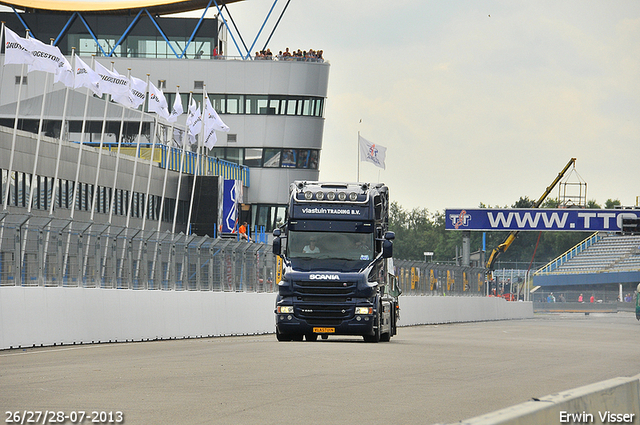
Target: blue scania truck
337 272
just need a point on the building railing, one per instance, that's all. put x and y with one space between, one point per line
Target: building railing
577 249
170 157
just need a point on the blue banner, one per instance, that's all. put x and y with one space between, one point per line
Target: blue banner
230 195
536 219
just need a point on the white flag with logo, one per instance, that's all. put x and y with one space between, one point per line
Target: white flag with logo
371 152
194 121
112 82
158 102
65 73
135 95
86 77
17 49
177 108
212 123
46 58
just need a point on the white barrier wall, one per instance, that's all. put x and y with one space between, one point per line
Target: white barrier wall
615 400
422 310
35 316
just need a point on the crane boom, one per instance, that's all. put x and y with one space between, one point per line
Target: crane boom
514 234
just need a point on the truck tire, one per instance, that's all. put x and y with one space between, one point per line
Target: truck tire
311 337
376 335
282 337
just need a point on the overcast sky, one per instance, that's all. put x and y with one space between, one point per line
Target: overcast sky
475 101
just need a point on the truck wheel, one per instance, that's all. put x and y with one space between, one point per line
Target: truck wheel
376 335
297 337
311 337
282 337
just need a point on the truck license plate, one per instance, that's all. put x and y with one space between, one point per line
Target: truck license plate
324 330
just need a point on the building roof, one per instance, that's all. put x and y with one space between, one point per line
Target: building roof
160 7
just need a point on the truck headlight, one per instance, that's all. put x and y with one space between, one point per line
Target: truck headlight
364 310
285 309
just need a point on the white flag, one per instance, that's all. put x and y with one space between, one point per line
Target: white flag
46 58
177 108
112 82
135 95
86 77
212 122
65 73
372 152
157 102
17 49
194 121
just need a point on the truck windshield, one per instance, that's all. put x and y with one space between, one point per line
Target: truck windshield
341 246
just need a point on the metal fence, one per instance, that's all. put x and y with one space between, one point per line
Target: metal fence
53 252
420 278
41 251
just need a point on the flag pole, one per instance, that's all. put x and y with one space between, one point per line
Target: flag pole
104 128
135 160
115 172
34 177
84 124
2 24
197 168
64 117
358 159
166 171
13 138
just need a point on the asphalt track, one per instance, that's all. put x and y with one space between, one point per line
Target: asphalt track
426 374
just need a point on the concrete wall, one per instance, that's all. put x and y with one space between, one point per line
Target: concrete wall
617 396
35 316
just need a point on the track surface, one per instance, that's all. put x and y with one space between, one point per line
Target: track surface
426 374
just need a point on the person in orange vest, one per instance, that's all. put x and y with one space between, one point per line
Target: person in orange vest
243 232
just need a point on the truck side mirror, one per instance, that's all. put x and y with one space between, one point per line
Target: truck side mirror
277 247
389 236
276 232
387 249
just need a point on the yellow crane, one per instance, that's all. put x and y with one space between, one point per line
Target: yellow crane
514 234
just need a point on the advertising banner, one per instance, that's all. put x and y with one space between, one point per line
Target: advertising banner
538 219
231 198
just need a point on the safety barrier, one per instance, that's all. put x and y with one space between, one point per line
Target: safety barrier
615 400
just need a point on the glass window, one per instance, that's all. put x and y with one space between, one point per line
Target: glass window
217 153
234 155
313 159
271 158
303 158
307 108
291 106
218 102
253 157
318 107
343 246
235 104
274 107
288 158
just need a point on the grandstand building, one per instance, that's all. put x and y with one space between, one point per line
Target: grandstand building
606 265
274 108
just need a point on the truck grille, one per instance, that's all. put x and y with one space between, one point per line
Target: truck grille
325 314
338 289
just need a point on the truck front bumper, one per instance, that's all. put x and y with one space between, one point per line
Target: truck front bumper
288 324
